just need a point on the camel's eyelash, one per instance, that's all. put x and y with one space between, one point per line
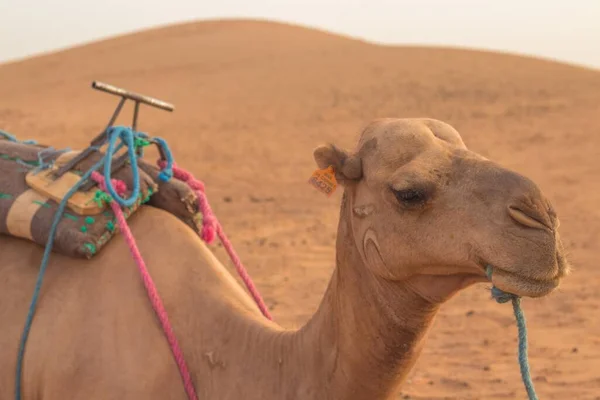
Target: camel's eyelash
412 196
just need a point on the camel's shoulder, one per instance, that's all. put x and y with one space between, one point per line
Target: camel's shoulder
175 253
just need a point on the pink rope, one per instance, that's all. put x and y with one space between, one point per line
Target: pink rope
211 226
153 295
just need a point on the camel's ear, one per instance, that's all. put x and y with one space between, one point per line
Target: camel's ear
347 167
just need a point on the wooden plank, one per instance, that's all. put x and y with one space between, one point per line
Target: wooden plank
82 202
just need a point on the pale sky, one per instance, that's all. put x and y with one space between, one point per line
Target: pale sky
562 30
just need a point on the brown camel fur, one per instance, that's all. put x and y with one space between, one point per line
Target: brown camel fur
420 218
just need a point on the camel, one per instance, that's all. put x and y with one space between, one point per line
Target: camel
421 217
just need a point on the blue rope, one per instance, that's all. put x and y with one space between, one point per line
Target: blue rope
12 138
167 172
127 137
42 164
503 297
40 277
8 136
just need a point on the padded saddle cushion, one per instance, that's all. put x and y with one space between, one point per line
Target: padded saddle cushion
26 213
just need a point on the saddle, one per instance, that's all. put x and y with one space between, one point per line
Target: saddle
29 198
35 179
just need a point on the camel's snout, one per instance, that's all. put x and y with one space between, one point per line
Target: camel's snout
529 257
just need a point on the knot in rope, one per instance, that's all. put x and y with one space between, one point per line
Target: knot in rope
498 294
101 198
132 140
501 296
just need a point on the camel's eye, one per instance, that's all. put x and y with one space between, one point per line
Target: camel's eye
412 197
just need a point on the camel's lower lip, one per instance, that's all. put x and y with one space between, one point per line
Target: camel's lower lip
520 285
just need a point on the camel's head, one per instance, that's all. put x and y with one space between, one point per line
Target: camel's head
424 208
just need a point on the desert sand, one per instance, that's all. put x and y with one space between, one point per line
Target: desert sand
252 101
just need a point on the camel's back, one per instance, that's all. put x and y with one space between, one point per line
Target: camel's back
91 311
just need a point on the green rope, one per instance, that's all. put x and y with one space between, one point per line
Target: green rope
140 142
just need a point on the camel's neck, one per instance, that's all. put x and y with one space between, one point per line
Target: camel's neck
360 344
367 333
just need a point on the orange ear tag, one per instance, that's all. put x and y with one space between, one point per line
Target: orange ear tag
324 180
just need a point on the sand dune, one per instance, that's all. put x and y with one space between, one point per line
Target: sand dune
254 98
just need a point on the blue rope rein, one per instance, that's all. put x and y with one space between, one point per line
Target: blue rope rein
503 297
40 277
12 138
127 136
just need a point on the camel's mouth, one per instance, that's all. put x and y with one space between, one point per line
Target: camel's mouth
521 285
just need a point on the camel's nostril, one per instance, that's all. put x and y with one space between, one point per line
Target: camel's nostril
529 218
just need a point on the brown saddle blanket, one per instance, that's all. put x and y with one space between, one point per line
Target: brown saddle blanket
28 213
